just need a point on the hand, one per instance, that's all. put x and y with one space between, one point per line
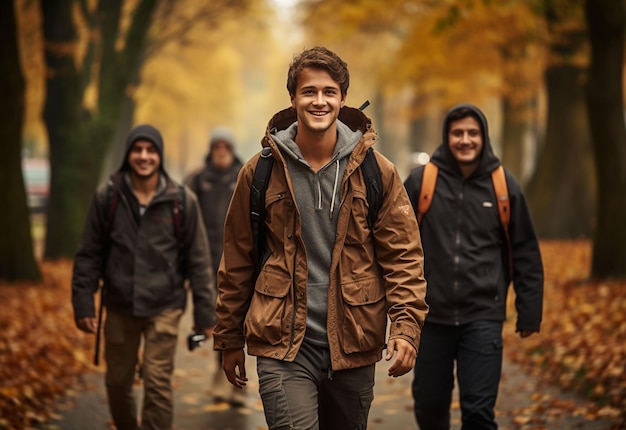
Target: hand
233 363
87 324
526 333
208 332
405 357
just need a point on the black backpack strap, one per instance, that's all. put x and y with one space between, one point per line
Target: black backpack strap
260 180
112 199
373 182
178 211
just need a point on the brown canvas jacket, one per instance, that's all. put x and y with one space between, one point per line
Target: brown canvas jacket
374 275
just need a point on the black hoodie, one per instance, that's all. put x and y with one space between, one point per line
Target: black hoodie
461 235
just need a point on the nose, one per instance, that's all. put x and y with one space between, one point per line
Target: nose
320 98
465 137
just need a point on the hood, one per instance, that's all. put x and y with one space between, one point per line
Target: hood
355 135
443 157
221 134
147 132
353 124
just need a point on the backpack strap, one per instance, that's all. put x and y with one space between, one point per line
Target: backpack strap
112 199
429 180
178 212
258 212
373 183
501 190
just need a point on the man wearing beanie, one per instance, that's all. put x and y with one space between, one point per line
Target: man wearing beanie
214 184
143 238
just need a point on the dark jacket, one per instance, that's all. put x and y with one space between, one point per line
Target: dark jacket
462 238
137 257
373 275
214 187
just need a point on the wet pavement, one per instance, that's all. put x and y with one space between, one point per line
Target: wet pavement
524 403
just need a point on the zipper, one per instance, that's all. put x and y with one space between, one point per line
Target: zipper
295 292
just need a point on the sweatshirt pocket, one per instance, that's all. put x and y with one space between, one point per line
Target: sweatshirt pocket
268 309
364 318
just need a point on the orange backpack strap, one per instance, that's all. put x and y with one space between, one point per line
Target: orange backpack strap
504 210
429 180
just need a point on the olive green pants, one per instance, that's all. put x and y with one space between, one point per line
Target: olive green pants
123 336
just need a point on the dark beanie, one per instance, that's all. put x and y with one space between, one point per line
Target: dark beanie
143 132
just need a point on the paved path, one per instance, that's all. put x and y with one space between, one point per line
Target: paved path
523 402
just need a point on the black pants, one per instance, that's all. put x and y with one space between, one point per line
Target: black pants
476 348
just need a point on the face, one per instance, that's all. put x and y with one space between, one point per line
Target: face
317 100
465 140
144 159
221 155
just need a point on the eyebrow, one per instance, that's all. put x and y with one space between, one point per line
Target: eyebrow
313 87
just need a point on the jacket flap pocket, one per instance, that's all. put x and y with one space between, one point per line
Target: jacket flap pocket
272 195
272 285
363 292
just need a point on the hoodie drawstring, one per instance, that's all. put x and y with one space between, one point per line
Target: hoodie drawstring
332 199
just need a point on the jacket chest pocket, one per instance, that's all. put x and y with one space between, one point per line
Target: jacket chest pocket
358 231
269 309
278 205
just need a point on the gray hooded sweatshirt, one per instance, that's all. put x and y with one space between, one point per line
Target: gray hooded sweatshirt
318 203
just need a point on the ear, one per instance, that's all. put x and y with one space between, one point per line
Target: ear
343 100
293 101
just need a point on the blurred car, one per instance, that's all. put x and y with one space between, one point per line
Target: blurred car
36 173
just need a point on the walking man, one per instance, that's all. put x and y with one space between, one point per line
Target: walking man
468 261
316 315
214 184
143 238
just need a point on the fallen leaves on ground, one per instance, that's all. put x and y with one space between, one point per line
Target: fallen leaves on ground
41 352
581 347
582 344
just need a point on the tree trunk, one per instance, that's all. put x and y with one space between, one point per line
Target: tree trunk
17 260
561 191
78 138
62 114
513 133
606 23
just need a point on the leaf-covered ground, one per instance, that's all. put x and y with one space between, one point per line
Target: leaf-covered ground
41 351
581 347
582 344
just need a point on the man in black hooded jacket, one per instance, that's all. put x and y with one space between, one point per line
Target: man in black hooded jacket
468 275
131 244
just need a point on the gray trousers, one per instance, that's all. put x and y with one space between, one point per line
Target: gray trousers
307 395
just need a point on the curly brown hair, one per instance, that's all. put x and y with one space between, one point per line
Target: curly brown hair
322 58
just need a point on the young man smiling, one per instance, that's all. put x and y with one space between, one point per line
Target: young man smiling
467 269
316 315
130 244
